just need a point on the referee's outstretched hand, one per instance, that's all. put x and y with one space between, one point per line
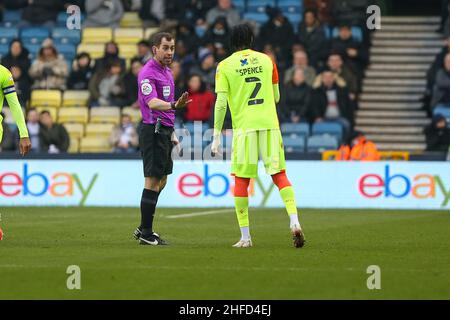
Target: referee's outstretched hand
183 101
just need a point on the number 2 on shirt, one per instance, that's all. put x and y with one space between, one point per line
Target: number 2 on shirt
253 101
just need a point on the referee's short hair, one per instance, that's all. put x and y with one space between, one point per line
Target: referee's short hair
157 38
242 37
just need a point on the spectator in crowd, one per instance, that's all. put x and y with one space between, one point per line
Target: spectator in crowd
17 56
296 98
351 12
152 12
176 10
22 83
81 73
111 54
49 70
8 142
438 134
53 137
278 32
358 149
323 9
178 78
300 61
331 102
186 33
437 64
40 13
202 104
336 64
441 90
225 9
355 55
107 87
103 13
34 126
218 35
124 137
130 82
185 58
312 36
196 10
144 51
206 69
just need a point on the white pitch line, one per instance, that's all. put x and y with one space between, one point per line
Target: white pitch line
197 214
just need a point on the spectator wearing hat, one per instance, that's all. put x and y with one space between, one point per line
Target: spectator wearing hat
437 134
312 36
49 70
81 73
358 149
225 9
206 69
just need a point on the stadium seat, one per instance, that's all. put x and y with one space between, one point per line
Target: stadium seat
102 130
68 51
128 35
34 35
240 5
33 49
193 128
65 36
8 34
11 18
74 145
75 98
294 144
97 35
332 128
75 130
4 49
290 6
105 115
149 32
134 113
257 17
259 6
53 112
95 50
295 129
321 143
356 33
73 114
131 20
127 51
443 110
45 98
94 145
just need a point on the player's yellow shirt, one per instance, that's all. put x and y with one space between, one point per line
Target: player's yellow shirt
247 77
6 86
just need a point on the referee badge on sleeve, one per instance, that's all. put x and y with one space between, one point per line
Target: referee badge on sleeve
146 87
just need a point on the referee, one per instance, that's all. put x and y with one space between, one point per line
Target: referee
157 137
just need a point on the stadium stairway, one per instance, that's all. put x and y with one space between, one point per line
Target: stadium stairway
390 111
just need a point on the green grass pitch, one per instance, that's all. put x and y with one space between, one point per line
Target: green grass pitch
410 247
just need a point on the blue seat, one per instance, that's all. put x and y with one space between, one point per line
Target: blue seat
295 129
190 126
331 128
294 144
290 6
12 16
321 143
240 5
357 34
34 35
33 49
256 17
294 19
259 6
68 51
8 34
443 110
4 49
64 35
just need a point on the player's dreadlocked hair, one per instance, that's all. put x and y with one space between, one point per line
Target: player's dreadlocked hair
241 37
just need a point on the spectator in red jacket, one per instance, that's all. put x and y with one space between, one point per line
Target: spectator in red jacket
202 100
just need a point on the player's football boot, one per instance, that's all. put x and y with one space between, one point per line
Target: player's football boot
243 244
298 237
152 240
137 233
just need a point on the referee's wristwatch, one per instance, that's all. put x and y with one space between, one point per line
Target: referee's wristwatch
173 105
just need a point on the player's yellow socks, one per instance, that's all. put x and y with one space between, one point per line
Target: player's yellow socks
241 205
288 196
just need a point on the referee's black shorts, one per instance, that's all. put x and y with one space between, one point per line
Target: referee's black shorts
156 150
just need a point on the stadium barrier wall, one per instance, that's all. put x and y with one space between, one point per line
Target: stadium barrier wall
318 184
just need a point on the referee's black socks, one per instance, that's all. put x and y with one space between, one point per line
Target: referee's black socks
148 205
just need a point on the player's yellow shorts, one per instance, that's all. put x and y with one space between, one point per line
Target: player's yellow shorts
249 145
